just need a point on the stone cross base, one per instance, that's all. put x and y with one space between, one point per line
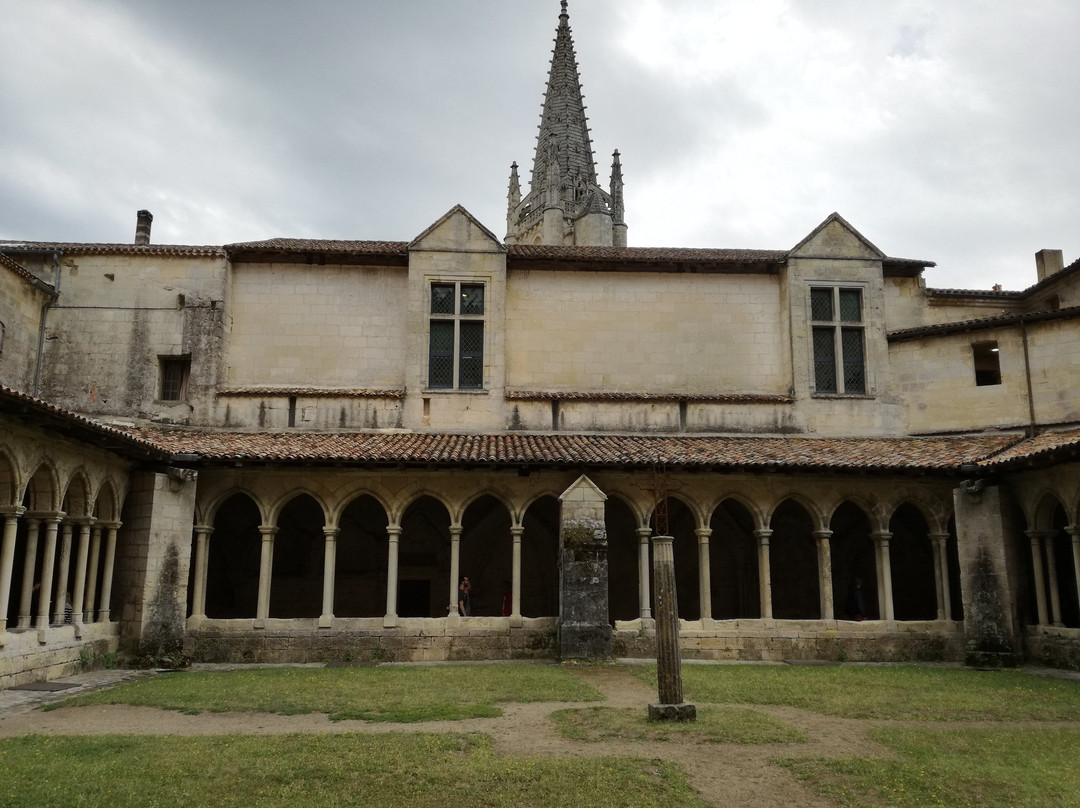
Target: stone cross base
673 712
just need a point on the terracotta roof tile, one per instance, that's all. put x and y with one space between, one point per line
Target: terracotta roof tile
981 323
72 248
646 254
17 268
723 398
310 392
1040 447
330 246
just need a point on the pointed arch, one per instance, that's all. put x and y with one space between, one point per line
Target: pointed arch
362 566
854 561
540 524
911 554
232 585
424 558
622 522
733 558
76 501
793 560
299 552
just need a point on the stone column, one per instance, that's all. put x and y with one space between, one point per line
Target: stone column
1075 533
704 572
202 561
455 567
48 563
670 706
884 572
1035 536
63 573
78 598
329 571
92 573
7 563
107 566
824 559
941 575
33 525
266 570
644 597
516 532
584 631
764 573
393 535
1049 537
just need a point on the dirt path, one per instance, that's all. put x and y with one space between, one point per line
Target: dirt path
723 774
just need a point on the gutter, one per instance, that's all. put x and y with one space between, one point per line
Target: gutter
54 294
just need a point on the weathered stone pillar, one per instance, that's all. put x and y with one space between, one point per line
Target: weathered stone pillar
92 573
202 562
393 535
990 578
266 571
516 532
48 563
884 574
584 631
326 619
941 575
1075 533
825 588
78 597
7 562
704 572
671 706
455 568
1049 537
1035 537
644 596
63 573
26 595
764 573
108 564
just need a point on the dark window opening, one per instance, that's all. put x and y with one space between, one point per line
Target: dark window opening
456 336
174 377
987 363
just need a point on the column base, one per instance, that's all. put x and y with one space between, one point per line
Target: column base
673 713
390 621
326 620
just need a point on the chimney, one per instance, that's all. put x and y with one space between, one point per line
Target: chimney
142 227
1048 262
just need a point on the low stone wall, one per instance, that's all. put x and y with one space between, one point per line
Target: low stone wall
1053 647
25 658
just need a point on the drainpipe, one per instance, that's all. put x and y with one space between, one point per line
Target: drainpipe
1032 429
53 294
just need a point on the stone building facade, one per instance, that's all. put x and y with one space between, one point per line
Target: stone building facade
293 449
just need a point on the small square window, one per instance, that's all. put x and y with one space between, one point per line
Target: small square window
174 377
987 363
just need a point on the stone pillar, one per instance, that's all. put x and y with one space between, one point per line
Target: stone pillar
78 597
92 573
266 574
329 571
455 567
63 573
824 558
1035 537
48 563
1049 537
26 595
202 562
670 706
990 576
764 573
393 535
644 597
704 572
7 562
516 532
1075 533
584 631
109 562
941 575
884 574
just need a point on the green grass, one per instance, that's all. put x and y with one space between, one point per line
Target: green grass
404 771
948 768
397 694
713 725
885 692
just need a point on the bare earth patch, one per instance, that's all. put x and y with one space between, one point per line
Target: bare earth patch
723 774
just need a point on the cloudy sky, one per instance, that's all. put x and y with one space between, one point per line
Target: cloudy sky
941 130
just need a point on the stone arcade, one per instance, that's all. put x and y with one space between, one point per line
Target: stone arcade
292 449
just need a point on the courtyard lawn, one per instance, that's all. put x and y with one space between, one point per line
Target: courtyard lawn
885 692
404 771
718 724
387 693
949 768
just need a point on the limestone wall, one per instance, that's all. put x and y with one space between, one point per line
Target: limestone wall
20 319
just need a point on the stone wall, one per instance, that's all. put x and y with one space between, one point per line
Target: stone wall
20 316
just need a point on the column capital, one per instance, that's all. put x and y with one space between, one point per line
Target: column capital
268 532
763 535
644 533
940 536
1073 530
203 530
393 532
13 512
882 536
822 534
1039 535
331 533
517 531
114 524
703 533
456 531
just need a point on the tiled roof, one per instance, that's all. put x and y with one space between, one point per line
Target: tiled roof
311 392
17 268
646 254
748 453
1065 443
172 250
330 246
996 321
730 398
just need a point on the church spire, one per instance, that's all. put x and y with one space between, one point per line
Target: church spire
565 204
